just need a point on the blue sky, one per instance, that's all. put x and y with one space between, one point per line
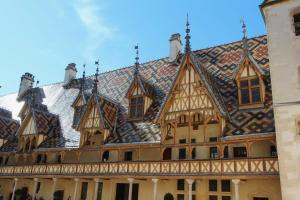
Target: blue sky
42 37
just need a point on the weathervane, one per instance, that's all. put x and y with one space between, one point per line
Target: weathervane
245 39
95 88
187 37
136 47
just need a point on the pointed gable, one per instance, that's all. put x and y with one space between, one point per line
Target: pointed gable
193 90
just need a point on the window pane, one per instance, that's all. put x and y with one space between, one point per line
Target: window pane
225 185
180 196
297 24
180 184
140 107
226 198
99 192
182 153
255 95
133 107
213 185
244 83
240 152
213 152
254 82
128 156
245 96
213 197
84 189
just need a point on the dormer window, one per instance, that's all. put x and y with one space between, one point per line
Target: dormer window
136 107
250 90
250 85
297 24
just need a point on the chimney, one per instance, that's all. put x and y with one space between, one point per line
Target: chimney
70 73
27 81
175 46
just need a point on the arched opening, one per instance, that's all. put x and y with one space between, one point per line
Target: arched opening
182 120
168 196
169 131
105 156
263 149
167 154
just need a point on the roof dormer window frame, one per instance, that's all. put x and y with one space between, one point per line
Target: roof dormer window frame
250 86
136 110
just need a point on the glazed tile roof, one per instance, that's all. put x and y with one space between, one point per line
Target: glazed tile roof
220 64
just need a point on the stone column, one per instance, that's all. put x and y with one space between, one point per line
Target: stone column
34 187
53 187
130 180
97 180
155 180
190 183
236 188
75 188
14 189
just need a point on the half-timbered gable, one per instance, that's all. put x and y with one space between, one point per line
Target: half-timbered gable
97 121
190 104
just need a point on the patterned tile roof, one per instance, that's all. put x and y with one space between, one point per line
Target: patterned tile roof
220 64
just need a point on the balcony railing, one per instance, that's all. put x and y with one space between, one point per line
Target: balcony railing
247 166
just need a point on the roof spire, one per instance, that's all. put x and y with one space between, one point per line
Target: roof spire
187 37
83 79
95 88
137 64
245 39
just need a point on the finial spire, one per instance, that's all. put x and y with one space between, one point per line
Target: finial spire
137 64
83 79
95 88
187 37
245 39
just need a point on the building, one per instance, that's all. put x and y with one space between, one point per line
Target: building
283 25
195 125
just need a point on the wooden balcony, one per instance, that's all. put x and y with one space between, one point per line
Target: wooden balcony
218 167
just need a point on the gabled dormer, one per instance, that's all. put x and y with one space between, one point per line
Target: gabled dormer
192 104
139 95
98 119
249 79
38 124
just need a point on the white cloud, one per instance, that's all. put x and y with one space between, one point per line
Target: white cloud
89 13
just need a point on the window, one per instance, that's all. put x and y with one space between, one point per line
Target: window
167 155
128 156
273 151
194 186
136 107
58 158
182 141
180 196
213 185
182 153
213 139
41 158
84 189
226 153
99 192
180 184
213 151
105 156
226 198
193 140
250 91
298 126
260 198
225 185
168 196
213 197
193 197
240 152
297 24
194 153
182 121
